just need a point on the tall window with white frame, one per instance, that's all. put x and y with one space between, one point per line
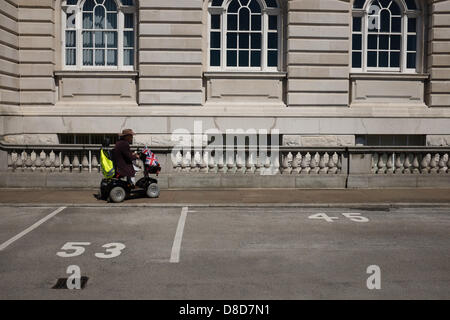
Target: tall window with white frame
386 36
244 35
98 34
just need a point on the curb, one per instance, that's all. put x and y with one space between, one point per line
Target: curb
361 206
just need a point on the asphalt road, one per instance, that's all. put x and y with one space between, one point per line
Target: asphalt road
226 253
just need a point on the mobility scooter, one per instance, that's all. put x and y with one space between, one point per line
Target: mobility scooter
114 188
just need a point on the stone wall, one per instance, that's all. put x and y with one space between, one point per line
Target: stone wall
9 53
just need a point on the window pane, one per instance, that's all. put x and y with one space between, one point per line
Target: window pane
372 42
70 39
99 40
371 59
396 24
383 59
273 40
234 6
357 42
255 59
411 4
384 3
99 18
356 59
273 23
89 5
87 57
254 6
244 42
110 5
111 21
357 24
395 9
244 19
215 39
88 39
215 58
99 57
358 4
128 39
232 22
217 3
128 57
215 21
256 41
411 61
385 20
87 21
231 58
111 39
384 42
412 46
412 24
129 20
71 57
256 23
111 58
395 59
272 59
244 2
271 3
395 42
70 2
232 40
244 58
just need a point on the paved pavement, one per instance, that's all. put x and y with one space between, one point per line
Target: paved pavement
224 252
236 196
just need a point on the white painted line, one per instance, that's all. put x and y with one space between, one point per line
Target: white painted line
3 246
175 256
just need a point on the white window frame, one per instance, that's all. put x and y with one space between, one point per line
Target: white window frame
406 14
265 12
121 11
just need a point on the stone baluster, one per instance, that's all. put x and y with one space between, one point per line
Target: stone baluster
425 164
250 163
315 164
204 162
57 163
287 163
267 164
177 161
212 166
14 158
399 163
85 163
94 164
323 163
296 163
76 165
434 164
240 162
48 162
230 163
382 163
9 162
306 163
258 165
39 162
31 161
390 164
221 167
443 167
20 163
375 160
332 164
416 164
186 164
407 165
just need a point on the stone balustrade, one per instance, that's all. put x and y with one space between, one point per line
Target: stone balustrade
410 163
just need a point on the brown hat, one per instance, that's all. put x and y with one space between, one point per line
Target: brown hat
127 132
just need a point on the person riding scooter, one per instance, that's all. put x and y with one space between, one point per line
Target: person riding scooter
123 157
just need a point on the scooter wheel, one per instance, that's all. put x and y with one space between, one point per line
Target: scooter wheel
117 194
153 190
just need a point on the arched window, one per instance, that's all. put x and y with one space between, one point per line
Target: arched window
385 35
98 34
244 35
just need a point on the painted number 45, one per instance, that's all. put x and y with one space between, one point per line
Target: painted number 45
75 249
355 217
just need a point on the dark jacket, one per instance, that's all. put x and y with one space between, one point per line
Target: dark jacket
123 159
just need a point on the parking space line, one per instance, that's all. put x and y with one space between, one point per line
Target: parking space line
4 245
175 256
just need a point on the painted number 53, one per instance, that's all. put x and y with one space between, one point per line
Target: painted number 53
75 249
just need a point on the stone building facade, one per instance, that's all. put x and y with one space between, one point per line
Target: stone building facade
325 73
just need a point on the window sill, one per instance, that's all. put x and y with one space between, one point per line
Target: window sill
389 76
244 75
96 73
